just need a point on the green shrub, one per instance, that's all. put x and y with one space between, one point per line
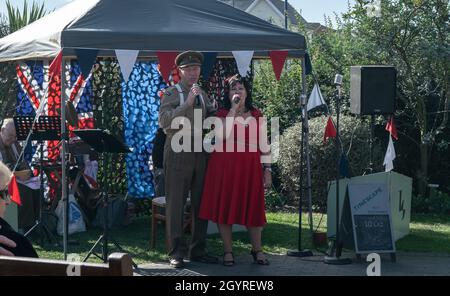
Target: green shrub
278 98
437 202
274 200
355 135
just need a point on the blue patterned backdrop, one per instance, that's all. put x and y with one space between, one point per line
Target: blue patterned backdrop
140 107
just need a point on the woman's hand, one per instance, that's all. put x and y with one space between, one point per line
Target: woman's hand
23 175
267 179
8 243
235 102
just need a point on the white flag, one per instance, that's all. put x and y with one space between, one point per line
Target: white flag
127 59
243 60
390 156
315 99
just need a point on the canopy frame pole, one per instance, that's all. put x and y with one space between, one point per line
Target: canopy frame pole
63 158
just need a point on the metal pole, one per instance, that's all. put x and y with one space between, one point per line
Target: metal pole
286 14
300 205
63 159
304 139
308 159
336 260
372 134
338 175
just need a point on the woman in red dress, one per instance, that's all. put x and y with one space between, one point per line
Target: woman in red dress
238 171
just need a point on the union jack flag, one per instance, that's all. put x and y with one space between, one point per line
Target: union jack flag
35 85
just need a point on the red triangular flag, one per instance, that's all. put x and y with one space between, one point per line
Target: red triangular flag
13 191
330 130
391 128
166 63
278 58
55 66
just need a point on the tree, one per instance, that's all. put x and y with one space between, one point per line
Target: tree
15 21
278 98
19 19
413 36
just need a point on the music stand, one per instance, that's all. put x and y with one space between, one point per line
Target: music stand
46 128
103 142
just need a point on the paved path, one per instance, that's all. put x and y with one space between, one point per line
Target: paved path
408 264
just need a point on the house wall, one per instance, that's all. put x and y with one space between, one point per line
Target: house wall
266 12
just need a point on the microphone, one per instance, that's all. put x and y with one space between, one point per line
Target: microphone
197 97
338 79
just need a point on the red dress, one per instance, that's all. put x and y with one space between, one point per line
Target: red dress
233 191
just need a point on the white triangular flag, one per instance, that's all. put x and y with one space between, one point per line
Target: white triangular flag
315 99
127 59
243 59
390 156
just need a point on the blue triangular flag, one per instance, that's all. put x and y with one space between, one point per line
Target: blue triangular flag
208 64
308 65
344 168
86 59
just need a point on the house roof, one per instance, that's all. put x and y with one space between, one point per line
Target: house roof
239 4
279 4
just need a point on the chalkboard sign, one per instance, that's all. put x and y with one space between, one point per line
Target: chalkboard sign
371 218
373 233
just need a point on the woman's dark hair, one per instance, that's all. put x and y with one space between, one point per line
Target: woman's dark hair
229 83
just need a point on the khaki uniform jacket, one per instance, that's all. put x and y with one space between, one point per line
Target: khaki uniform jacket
171 108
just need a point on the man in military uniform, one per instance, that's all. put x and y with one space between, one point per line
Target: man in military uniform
184 171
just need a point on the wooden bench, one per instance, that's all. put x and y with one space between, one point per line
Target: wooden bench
119 264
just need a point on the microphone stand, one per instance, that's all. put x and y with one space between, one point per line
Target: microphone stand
304 142
335 257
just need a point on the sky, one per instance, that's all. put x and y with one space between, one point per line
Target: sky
312 10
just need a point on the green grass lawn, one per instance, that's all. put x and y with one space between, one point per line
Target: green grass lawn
428 234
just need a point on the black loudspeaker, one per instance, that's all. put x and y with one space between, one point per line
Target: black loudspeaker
372 89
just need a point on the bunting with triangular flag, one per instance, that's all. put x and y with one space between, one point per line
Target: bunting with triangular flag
315 99
166 63
390 156
308 65
86 59
330 130
344 167
278 58
126 59
208 64
13 191
55 66
391 128
243 60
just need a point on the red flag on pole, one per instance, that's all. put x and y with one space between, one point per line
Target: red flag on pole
278 58
166 63
13 191
391 128
330 130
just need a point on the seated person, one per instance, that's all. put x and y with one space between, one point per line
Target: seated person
11 242
30 197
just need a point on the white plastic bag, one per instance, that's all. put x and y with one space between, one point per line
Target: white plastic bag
76 222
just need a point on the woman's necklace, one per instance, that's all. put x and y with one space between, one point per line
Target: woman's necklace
241 112
240 116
